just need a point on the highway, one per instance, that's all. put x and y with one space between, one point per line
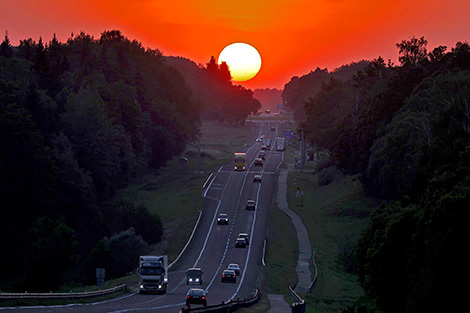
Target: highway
213 246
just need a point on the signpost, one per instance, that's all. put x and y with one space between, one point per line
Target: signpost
100 274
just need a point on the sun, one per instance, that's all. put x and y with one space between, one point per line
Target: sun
243 61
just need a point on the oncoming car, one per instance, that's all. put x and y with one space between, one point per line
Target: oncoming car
222 218
194 276
196 296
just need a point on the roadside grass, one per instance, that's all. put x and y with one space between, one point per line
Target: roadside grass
335 216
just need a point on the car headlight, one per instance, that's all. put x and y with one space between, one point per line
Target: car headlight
190 279
197 279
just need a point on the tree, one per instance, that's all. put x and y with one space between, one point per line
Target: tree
412 51
5 48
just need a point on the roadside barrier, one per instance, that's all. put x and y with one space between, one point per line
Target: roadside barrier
230 306
62 295
298 306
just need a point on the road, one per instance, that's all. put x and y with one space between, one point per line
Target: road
213 246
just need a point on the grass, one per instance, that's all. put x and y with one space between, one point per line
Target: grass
335 216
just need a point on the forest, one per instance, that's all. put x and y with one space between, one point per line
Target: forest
78 121
405 130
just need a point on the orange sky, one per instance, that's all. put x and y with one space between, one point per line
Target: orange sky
293 37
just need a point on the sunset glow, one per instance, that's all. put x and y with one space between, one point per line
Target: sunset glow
294 37
243 60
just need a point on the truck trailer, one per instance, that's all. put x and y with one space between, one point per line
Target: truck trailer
153 271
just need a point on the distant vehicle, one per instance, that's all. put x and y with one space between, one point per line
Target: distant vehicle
280 144
262 155
229 275
264 147
194 276
267 111
234 267
259 161
250 204
245 237
222 218
153 272
240 243
239 160
258 140
266 142
196 296
257 178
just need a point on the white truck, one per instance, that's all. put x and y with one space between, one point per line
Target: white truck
266 142
153 271
280 144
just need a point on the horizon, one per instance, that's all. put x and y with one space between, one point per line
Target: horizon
292 38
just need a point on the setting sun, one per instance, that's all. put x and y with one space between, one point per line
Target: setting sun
243 60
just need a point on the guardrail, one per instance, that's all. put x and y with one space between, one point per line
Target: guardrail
62 295
230 306
300 305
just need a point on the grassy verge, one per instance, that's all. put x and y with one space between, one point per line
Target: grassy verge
335 215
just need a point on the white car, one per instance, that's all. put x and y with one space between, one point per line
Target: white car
234 267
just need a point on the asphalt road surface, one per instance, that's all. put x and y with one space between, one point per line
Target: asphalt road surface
213 246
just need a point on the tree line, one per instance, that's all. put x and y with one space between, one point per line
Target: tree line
405 130
78 121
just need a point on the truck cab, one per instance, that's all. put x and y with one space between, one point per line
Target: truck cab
153 271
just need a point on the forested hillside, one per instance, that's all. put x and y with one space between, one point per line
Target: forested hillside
78 121
405 130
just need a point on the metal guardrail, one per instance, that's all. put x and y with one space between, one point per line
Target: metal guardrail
299 306
62 295
230 306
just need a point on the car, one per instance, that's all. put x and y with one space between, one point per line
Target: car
258 140
229 275
250 204
245 237
222 218
196 296
258 161
257 178
264 147
194 276
262 155
280 148
240 243
234 267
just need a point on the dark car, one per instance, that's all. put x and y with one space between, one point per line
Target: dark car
194 276
262 155
229 275
222 218
240 243
250 204
257 178
234 267
245 237
264 147
196 296
258 161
